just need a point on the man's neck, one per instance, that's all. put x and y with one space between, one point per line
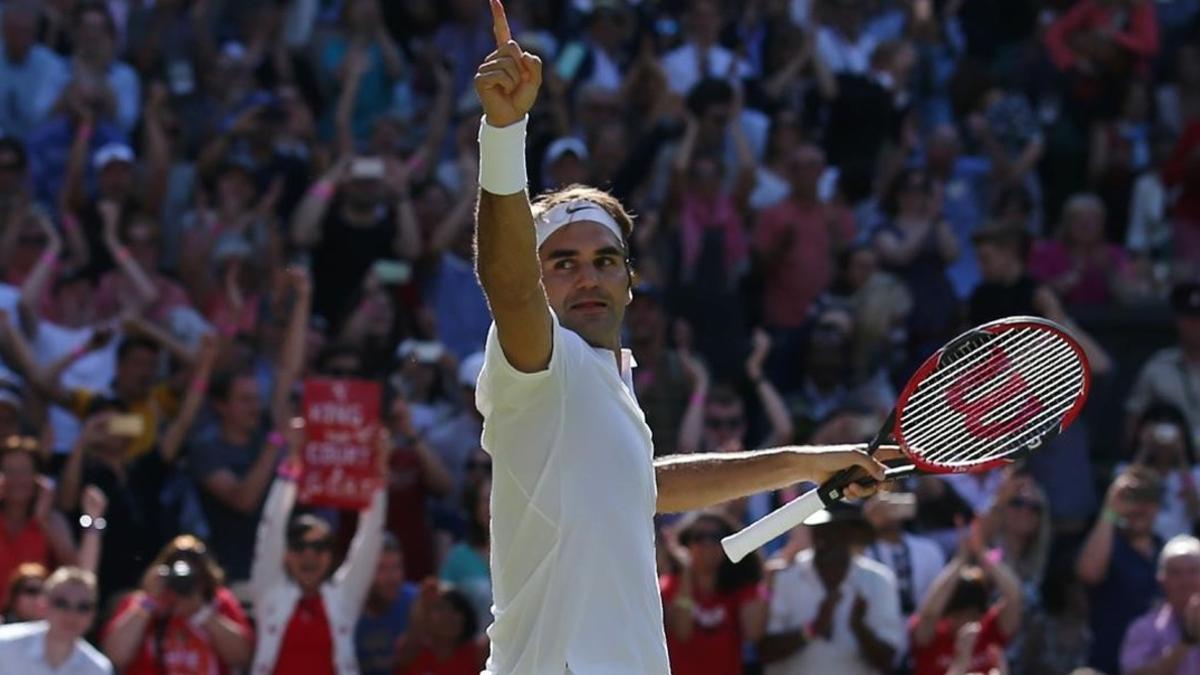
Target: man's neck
832 572
892 535
58 648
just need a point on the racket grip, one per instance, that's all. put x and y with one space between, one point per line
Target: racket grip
756 535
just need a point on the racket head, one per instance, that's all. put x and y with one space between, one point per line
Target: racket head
1001 388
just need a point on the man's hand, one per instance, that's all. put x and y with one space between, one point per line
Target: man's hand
508 81
761 347
819 465
93 502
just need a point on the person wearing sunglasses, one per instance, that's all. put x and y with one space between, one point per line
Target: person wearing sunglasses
1018 525
23 602
713 606
56 646
305 609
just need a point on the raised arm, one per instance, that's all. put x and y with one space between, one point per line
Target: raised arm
936 599
33 290
94 505
173 438
291 361
358 571
1092 564
507 262
782 428
110 213
270 542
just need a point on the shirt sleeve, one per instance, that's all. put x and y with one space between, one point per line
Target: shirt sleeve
1139 648
502 387
883 611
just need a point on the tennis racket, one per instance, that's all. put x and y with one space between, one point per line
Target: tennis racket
987 398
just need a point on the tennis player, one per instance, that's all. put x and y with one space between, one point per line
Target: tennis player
574 484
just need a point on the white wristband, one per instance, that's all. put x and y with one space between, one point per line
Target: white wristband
502 157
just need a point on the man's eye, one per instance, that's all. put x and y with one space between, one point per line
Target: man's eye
564 265
605 262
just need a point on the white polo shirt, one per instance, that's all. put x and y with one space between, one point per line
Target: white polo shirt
573 500
23 652
796 595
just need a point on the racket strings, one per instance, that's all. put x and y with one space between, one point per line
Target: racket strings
949 437
928 401
940 436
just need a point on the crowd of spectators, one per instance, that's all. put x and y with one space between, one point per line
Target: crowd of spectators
203 203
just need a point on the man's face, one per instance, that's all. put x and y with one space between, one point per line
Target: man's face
567 170
115 179
1180 579
92 35
993 260
137 372
70 609
831 543
705 21
243 409
586 280
20 33
724 424
1139 518
646 320
389 575
805 167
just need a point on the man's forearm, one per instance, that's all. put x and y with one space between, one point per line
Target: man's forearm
876 652
688 482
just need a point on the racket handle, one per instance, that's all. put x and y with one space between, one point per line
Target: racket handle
756 535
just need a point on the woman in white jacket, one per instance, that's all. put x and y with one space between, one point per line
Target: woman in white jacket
306 616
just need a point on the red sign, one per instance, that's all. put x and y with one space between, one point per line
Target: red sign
342 427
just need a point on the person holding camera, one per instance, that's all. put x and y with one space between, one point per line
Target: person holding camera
183 621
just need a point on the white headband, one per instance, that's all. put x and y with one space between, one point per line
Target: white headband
564 214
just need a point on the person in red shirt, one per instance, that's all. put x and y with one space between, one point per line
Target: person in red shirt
712 606
184 621
957 602
441 636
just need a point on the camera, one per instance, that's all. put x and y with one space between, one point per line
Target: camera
179 577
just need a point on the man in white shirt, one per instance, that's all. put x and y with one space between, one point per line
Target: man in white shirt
833 610
915 560
56 646
575 486
701 56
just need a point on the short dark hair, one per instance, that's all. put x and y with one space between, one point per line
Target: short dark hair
722 394
462 605
131 343
707 93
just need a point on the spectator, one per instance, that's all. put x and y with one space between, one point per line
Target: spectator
34 531
441 639
917 245
305 610
796 242
57 645
700 56
1117 562
233 468
348 221
713 606
385 615
1164 444
1165 639
466 565
841 41
31 76
914 560
1121 149
661 380
1171 374
415 474
95 42
25 588
831 609
959 597
363 42
1056 637
1017 523
1081 267
455 439
183 620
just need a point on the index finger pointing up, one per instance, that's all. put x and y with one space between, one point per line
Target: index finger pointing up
500 24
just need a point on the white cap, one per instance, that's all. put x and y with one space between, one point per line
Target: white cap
564 145
112 152
469 369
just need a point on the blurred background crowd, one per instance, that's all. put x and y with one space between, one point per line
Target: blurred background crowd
204 202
